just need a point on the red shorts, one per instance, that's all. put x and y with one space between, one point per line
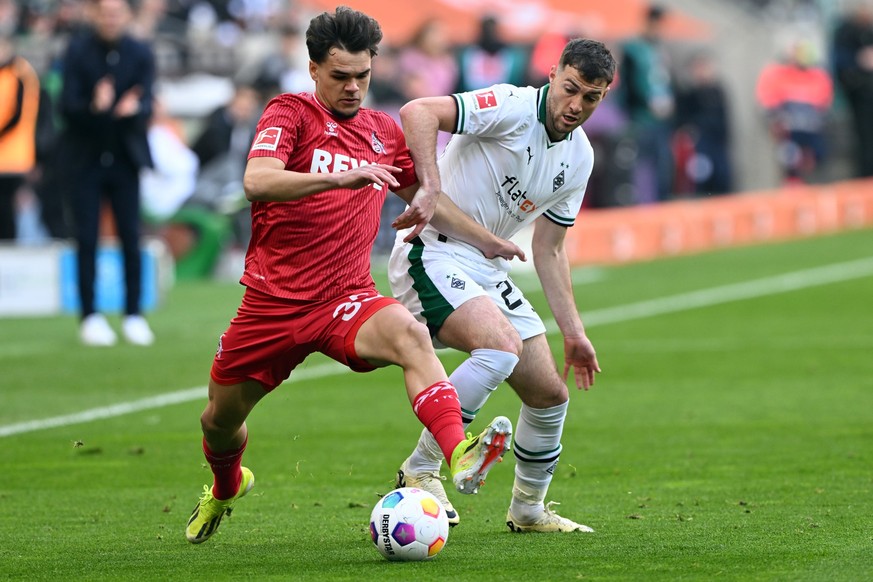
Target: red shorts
270 336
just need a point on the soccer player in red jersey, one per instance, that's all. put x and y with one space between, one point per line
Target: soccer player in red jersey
318 172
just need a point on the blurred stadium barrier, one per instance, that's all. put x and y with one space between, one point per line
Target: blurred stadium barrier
636 233
41 280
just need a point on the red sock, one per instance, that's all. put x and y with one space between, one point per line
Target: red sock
439 410
226 468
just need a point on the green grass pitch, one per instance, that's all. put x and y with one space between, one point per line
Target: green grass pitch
729 437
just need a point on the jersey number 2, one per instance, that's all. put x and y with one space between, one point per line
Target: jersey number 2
506 293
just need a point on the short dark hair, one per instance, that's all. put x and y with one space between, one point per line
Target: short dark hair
346 29
591 58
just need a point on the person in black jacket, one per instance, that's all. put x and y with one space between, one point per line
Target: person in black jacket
853 65
106 101
703 115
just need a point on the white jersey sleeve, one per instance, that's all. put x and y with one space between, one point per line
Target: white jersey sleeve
489 112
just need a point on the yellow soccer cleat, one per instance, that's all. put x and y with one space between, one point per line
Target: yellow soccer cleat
208 512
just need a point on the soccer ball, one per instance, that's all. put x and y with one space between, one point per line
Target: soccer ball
408 525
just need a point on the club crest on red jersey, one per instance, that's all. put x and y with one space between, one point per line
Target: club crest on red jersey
378 146
485 99
267 139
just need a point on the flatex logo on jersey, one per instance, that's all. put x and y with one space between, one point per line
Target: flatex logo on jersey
512 187
268 139
485 99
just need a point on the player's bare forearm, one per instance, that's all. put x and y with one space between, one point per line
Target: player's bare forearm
267 180
422 205
554 274
553 269
453 222
422 120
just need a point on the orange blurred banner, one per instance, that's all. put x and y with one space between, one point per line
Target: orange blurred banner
521 20
637 233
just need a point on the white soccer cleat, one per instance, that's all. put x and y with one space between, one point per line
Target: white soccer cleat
547 522
137 331
95 331
432 482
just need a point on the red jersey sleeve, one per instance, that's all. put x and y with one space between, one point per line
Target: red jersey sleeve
276 134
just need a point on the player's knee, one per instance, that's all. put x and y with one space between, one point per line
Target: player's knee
208 424
511 343
413 341
214 428
502 337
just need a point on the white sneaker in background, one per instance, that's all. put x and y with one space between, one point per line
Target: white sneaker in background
137 331
95 331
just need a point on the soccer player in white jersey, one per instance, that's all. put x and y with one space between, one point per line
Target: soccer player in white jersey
518 157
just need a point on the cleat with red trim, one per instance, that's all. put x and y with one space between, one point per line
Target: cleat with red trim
475 456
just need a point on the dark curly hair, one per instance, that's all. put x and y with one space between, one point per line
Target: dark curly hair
591 58
346 29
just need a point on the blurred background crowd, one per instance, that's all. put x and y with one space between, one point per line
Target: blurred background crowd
713 97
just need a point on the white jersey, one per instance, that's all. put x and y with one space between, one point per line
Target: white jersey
502 169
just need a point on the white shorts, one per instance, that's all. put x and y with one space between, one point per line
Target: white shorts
432 276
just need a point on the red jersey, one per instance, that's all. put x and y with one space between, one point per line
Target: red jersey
318 247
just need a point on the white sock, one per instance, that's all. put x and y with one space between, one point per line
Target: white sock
475 379
427 455
537 449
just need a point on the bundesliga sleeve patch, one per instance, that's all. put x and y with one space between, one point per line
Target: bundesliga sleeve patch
485 99
268 139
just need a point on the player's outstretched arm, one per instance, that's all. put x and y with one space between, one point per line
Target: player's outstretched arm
453 222
553 269
267 180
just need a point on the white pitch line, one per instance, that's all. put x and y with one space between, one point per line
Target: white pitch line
705 297
726 293
159 401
